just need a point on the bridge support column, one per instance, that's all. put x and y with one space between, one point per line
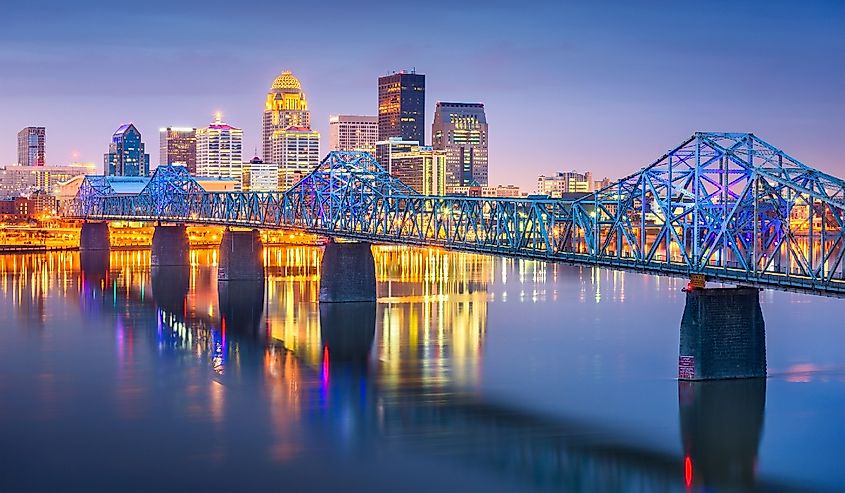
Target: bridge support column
241 256
722 335
347 273
170 246
94 236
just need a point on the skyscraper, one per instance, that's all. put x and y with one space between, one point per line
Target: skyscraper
219 150
461 130
297 153
31 142
353 133
178 145
126 156
401 106
285 107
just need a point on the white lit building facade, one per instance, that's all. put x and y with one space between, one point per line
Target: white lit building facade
564 182
296 152
219 151
353 133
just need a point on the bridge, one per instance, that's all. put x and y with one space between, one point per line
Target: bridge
726 206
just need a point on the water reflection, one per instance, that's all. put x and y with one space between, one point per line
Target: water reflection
721 426
276 375
347 331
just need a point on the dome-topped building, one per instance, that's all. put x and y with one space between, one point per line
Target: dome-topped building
286 80
286 106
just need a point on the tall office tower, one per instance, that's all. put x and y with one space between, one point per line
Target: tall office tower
461 130
296 151
126 156
401 106
31 142
353 133
420 167
178 145
219 150
285 107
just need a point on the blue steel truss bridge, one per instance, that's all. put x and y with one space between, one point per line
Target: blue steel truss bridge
726 205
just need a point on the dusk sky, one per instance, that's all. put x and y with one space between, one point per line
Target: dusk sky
606 89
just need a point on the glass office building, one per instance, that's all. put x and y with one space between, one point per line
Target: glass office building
126 156
401 106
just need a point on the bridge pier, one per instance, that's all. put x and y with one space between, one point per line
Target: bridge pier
723 335
170 246
241 256
94 236
347 273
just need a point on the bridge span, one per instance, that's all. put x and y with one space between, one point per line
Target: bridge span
726 206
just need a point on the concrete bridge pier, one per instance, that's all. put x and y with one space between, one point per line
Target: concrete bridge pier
347 273
241 256
170 246
94 236
722 335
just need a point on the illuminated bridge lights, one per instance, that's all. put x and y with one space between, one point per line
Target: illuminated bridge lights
727 205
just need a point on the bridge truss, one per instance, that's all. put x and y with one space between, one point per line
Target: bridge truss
727 205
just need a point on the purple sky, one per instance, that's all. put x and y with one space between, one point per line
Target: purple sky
566 87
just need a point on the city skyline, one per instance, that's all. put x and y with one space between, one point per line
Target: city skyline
577 74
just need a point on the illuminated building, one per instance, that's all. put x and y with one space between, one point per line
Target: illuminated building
401 106
285 107
178 145
353 133
420 167
509 191
219 150
31 143
296 151
20 180
461 130
564 182
259 176
126 156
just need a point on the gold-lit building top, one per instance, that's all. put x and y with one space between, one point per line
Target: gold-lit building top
286 80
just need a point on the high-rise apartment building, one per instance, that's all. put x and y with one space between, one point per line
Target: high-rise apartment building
126 156
353 133
178 145
285 107
420 167
401 106
219 150
461 130
296 151
31 143
565 182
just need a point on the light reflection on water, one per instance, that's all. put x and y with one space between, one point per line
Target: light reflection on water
469 372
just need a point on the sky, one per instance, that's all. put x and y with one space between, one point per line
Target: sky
606 87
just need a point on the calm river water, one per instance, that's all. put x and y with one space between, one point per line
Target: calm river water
471 373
